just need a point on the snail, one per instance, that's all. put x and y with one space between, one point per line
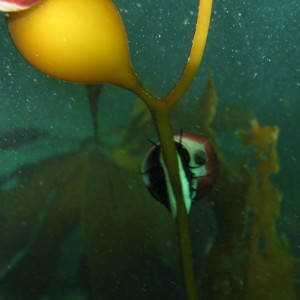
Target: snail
16 5
198 170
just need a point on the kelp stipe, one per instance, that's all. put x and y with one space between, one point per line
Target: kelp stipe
160 110
106 60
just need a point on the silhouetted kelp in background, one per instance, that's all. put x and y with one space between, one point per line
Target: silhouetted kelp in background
127 250
249 259
18 137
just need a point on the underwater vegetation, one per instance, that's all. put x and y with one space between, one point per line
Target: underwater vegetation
82 225
249 258
46 35
95 188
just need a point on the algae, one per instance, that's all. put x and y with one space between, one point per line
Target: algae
249 258
124 245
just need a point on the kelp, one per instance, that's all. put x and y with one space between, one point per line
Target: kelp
18 137
122 242
94 91
38 211
249 259
43 203
128 243
114 67
129 239
271 269
129 148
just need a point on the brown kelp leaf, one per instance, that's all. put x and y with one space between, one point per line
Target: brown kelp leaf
271 269
130 147
208 105
126 233
205 106
218 116
18 137
129 238
249 259
37 214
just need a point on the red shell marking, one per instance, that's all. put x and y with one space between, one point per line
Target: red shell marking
206 182
15 5
198 170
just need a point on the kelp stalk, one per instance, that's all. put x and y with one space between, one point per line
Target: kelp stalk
160 110
196 53
163 127
93 92
109 63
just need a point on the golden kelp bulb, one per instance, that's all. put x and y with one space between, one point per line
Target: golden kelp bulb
74 40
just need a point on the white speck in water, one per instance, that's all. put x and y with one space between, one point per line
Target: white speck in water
186 21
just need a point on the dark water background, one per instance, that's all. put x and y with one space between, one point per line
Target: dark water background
253 51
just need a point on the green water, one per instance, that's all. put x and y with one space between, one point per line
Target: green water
46 138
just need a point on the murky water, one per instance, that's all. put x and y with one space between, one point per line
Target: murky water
76 221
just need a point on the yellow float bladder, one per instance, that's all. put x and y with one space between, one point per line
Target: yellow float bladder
74 40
